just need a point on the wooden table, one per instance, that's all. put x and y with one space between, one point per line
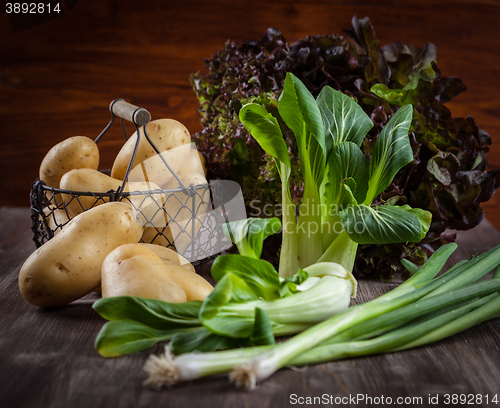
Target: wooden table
47 357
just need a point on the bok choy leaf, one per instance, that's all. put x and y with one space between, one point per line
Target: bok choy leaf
267 132
392 151
339 183
301 114
343 119
249 234
387 224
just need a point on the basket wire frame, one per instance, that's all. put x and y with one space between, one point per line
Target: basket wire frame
198 237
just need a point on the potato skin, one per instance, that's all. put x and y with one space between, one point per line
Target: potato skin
161 236
135 270
177 234
69 265
167 254
97 182
57 218
76 152
194 285
181 207
194 163
170 137
181 229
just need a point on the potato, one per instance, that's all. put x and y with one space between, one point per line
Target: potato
194 163
160 236
194 285
69 265
178 230
150 206
182 235
180 206
76 152
135 270
178 234
167 254
172 140
57 218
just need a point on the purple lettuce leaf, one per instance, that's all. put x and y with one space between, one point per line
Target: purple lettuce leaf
448 175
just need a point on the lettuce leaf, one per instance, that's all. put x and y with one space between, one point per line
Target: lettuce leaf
380 79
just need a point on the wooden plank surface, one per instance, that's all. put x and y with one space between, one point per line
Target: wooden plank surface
57 79
47 358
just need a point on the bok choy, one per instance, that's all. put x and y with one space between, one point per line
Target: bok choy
339 184
422 310
249 305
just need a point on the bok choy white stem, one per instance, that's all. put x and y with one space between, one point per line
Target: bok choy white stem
427 319
266 364
339 185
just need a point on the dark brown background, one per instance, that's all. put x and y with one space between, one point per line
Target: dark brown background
57 79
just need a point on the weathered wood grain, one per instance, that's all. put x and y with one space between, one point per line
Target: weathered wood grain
57 79
47 358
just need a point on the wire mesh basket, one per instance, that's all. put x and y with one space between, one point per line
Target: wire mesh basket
187 219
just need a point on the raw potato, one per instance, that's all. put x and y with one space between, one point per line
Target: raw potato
180 206
158 236
172 140
181 231
135 270
76 152
69 265
178 230
195 286
150 206
195 163
167 254
57 218
182 235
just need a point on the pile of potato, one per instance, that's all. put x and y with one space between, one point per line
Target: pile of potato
99 245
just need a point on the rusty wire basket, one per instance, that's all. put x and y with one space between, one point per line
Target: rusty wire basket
198 237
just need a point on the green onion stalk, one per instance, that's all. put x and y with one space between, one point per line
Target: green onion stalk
415 313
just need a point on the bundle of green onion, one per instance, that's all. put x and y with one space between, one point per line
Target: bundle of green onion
422 310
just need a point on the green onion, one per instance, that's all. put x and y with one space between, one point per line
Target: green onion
405 317
166 370
265 365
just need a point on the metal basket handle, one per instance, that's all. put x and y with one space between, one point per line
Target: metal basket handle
125 110
140 117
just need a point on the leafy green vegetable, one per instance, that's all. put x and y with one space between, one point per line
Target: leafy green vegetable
301 114
391 152
289 285
267 132
263 123
343 120
221 319
250 233
249 305
259 275
159 315
347 163
348 185
388 224
203 340
448 174
121 337
263 329
416 312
